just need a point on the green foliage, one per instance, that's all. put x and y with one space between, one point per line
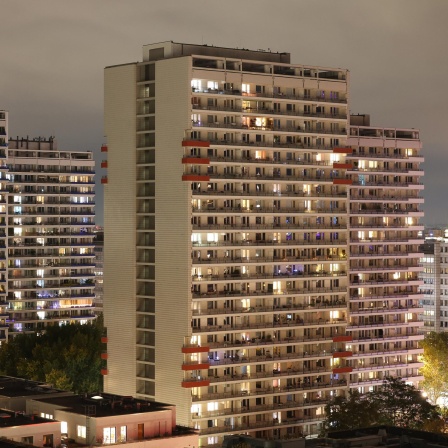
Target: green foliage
395 403
403 405
435 368
350 412
69 357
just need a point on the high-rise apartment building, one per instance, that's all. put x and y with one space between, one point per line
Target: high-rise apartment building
384 239
238 281
47 206
434 289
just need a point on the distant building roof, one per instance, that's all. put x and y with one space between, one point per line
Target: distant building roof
19 387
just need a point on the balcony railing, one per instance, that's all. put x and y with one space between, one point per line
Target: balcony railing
256 293
295 130
274 276
259 260
299 323
274 227
268 210
283 406
257 392
323 242
275 194
234 92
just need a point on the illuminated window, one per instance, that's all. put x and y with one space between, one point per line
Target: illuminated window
81 431
123 433
109 435
196 84
212 85
213 406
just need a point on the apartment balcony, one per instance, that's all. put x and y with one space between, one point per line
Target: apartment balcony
32 276
414 267
385 310
390 227
379 282
281 96
260 343
260 409
236 294
386 255
271 128
299 323
323 179
383 240
54 213
256 310
415 336
271 391
383 324
265 260
51 296
384 367
254 426
31 253
270 374
286 357
269 111
387 212
387 198
267 210
385 170
55 317
356 155
59 223
268 194
53 285
391 184
267 161
269 276
267 145
274 227
386 352
270 243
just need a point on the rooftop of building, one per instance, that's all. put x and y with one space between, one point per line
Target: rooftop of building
360 126
254 59
427 248
179 49
17 418
105 404
18 387
45 147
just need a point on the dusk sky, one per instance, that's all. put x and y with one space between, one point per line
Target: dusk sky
53 53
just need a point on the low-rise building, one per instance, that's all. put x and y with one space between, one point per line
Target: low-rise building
29 429
109 419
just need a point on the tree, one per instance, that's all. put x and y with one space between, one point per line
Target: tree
402 404
394 403
69 357
350 412
435 365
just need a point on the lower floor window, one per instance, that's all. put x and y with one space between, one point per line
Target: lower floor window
109 435
81 431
